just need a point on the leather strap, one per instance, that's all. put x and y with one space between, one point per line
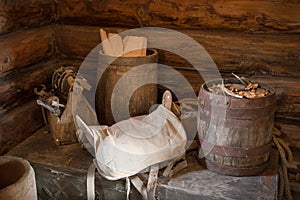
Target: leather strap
139 185
152 180
90 182
127 188
148 192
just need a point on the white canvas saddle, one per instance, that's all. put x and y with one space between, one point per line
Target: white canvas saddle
139 144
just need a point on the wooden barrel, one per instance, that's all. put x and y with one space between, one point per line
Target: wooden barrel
235 134
142 98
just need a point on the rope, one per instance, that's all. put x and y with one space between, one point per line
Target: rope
285 157
287 149
281 184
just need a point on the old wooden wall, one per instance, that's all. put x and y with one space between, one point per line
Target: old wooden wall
27 48
257 39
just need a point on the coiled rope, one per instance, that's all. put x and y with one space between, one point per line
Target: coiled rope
286 156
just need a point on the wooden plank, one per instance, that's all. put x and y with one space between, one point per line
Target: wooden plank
250 54
17 124
19 14
17 86
66 35
287 96
256 15
290 133
245 15
22 48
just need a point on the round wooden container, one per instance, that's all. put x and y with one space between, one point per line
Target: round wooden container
142 98
235 134
17 179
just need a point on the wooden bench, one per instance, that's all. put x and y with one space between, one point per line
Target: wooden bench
61 174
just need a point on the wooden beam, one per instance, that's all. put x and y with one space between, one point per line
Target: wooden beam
290 133
17 86
18 124
287 96
19 14
22 48
251 54
244 15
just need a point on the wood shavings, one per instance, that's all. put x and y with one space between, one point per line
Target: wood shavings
240 90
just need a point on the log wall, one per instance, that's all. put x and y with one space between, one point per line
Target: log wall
20 14
244 15
27 43
259 39
269 56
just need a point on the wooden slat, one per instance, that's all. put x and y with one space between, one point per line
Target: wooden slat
22 48
290 133
17 87
86 39
287 96
18 14
267 54
245 15
18 124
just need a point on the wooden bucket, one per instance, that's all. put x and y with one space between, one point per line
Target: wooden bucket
235 134
142 98
17 179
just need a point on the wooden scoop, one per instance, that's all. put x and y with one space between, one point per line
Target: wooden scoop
116 44
105 43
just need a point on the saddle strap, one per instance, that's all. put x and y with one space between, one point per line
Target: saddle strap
90 182
139 185
152 180
148 192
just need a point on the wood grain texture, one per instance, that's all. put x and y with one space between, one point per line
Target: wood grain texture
245 15
250 54
22 48
290 133
17 87
287 97
19 14
19 123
